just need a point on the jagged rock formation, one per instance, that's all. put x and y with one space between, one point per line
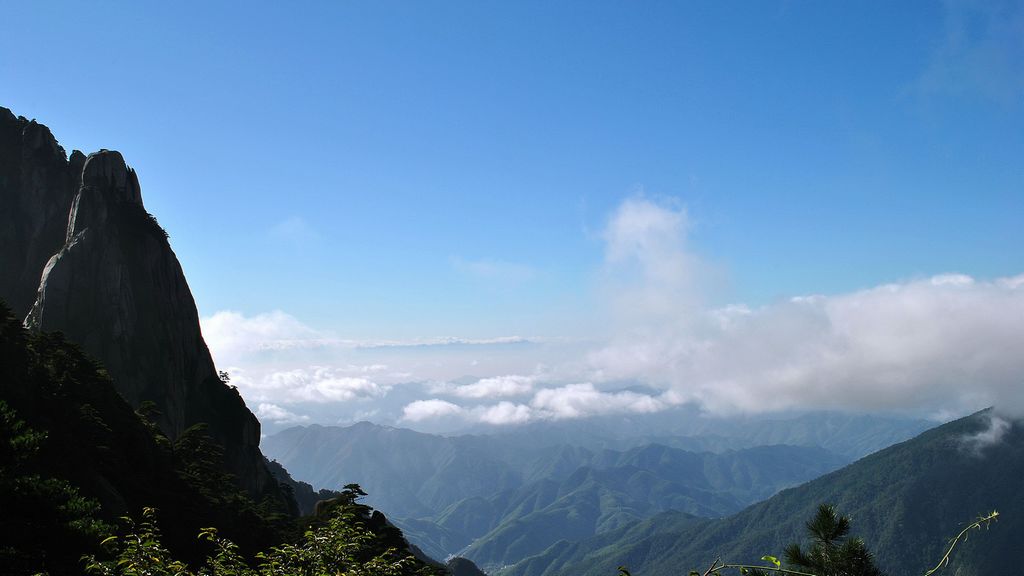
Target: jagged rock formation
37 184
81 255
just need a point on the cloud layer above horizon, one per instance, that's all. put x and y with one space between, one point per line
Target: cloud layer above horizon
936 346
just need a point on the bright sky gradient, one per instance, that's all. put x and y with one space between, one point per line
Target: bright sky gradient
402 171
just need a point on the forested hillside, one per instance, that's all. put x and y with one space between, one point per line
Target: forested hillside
905 501
76 457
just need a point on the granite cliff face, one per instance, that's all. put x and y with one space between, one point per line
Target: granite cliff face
81 255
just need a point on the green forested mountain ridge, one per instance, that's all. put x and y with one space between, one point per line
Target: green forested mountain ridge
905 501
497 502
415 473
620 488
326 455
406 473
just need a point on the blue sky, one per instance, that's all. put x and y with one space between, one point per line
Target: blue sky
415 170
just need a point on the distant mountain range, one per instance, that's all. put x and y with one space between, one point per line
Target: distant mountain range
905 501
618 488
686 427
499 498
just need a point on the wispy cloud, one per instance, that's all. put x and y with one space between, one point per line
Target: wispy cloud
230 333
649 272
268 412
493 271
294 230
995 429
982 52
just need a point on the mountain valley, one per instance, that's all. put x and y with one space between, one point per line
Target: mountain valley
500 498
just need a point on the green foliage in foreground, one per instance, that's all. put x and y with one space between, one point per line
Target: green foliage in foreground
37 509
75 456
347 542
832 552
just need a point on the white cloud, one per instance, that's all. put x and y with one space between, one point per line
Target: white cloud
996 428
339 389
651 233
429 409
582 400
504 413
950 342
274 413
276 359
496 387
315 384
940 343
559 403
649 273
321 384
230 334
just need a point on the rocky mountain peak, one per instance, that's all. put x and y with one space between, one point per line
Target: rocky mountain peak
107 185
107 170
40 141
37 185
89 261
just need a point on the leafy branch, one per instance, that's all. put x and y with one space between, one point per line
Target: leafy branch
716 568
831 554
981 522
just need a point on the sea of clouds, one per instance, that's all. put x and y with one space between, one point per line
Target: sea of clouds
938 346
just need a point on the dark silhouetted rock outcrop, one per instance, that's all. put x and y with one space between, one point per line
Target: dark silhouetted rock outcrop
37 184
459 566
81 255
